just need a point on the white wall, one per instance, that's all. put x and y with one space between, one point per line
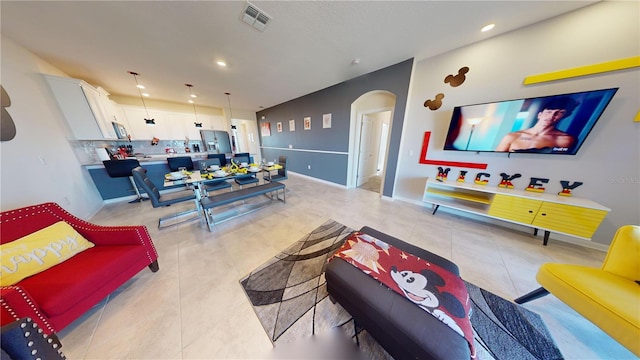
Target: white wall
608 162
39 164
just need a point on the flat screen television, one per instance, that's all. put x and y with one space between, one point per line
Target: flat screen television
555 124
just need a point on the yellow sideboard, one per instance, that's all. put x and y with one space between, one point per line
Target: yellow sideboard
571 216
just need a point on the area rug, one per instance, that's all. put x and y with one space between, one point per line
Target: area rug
289 296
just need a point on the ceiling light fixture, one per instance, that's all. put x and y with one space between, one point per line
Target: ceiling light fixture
488 27
149 121
196 123
221 63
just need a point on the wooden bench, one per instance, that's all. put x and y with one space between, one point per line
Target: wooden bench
213 201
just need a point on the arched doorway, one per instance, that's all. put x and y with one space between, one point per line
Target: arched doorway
370 123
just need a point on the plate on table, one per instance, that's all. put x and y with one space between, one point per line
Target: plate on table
255 170
219 175
174 178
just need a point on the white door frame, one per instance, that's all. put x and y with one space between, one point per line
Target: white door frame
247 134
354 141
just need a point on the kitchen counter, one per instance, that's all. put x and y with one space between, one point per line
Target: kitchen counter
154 158
115 189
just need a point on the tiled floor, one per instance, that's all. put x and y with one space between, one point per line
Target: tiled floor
194 307
373 184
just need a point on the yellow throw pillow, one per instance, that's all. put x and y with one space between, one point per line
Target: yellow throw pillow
39 251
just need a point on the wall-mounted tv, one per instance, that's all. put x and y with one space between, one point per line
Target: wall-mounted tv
556 124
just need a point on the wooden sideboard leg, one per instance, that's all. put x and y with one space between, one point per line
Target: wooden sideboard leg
546 237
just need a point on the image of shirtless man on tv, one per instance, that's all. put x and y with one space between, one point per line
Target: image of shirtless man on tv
543 136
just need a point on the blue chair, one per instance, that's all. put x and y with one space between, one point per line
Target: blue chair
221 157
157 200
282 173
177 162
242 180
205 164
241 157
215 184
246 180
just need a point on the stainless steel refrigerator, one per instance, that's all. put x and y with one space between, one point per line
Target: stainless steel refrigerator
216 142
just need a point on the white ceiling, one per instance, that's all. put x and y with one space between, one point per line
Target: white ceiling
307 46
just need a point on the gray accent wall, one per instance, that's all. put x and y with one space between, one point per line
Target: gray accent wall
326 150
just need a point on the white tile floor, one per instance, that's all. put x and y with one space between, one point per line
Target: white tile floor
194 307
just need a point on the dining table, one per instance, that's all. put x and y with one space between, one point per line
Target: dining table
196 179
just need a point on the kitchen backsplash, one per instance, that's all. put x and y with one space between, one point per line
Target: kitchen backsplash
85 150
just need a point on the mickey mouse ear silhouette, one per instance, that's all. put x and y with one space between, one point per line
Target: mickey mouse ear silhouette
457 80
7 126
434 104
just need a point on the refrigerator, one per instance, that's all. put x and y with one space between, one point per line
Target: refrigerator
216 142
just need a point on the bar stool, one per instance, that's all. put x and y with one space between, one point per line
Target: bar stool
123 168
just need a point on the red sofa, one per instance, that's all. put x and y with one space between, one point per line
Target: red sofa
59 295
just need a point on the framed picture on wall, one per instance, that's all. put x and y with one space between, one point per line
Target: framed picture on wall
326 121
292 125
307 123
265 129
279 126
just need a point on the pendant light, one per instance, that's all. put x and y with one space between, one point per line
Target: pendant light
229 100
191 97
149 121
233 127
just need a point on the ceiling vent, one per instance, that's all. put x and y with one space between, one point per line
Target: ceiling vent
255 17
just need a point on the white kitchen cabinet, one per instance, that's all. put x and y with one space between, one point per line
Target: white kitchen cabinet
88 112
181 125
170 125
138 128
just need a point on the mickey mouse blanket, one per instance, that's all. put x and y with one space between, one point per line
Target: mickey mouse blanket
434 289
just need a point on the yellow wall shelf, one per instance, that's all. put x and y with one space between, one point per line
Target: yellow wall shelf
606 66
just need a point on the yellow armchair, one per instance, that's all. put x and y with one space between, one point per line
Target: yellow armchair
609 297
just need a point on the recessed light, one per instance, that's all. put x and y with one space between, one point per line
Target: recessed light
145 94
190 101
140 86
488 27
193 95
221 63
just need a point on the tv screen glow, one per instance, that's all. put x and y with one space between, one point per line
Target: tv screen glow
556 124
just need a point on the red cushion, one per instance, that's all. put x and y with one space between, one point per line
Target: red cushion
79 276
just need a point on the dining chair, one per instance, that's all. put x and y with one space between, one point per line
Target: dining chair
215 184
205 164
221 157
282 173
246 180
241 157
177 162
123 168
157 200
